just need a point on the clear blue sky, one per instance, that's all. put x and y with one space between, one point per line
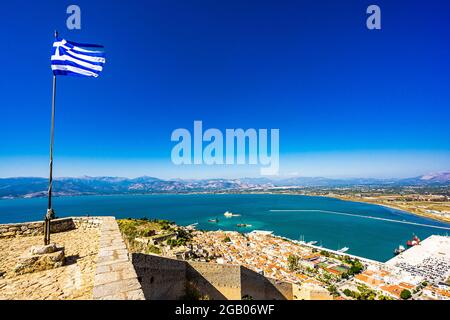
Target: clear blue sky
348 101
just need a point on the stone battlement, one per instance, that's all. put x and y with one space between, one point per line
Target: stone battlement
165 278
36 228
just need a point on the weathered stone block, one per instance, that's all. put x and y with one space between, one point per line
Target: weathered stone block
38 262
9 234
135 295
116 287
43 249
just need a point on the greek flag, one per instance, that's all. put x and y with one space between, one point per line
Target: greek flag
70 59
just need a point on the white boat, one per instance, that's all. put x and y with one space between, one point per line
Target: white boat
229 214
344 249
312 242
261 232
399 250
192 226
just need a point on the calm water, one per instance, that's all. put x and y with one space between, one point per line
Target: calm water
369 238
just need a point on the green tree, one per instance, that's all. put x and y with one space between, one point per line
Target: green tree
325 253
333 290
293 262
405 294
348 293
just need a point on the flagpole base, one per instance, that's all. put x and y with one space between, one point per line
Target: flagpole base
48 217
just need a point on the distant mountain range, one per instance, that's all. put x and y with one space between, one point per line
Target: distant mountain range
37 187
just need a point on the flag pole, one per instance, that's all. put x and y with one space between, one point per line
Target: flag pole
50 213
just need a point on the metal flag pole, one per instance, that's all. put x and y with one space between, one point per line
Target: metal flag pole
50 213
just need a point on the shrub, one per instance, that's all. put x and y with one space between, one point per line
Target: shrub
348 293
405 294
153 249
293 262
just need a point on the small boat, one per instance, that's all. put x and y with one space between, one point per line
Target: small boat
414 242
399 250
243 225
214 220
192 226
312 242
344 249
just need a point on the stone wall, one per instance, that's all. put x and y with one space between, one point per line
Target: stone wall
57 225
258 287
217 281
87 222
309 291
170 279
160 278
115 277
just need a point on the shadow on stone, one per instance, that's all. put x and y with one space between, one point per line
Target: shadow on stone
71 259
257 287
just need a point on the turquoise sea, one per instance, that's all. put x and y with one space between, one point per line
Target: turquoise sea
321 219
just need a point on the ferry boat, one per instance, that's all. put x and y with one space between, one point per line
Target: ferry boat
399 250
229 214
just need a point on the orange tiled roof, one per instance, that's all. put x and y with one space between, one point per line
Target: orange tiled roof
393 289
406 285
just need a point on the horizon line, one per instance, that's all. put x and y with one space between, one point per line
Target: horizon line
223 178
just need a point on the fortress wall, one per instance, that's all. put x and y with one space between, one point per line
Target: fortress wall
217 281
259 287
87 222
35 228
167 278
160 278
311 292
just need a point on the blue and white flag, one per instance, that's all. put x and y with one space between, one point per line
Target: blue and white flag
70 59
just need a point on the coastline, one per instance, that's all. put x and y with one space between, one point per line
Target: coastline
391 206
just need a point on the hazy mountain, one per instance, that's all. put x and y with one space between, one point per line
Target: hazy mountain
37 187
442 177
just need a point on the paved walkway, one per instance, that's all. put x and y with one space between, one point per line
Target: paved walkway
115 278
74 280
